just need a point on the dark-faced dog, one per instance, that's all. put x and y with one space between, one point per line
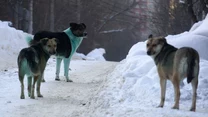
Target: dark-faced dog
174 64
32 62
69 41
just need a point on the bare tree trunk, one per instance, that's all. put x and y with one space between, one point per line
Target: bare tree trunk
78 10
191 11
16 15
204 11
52 15
30 29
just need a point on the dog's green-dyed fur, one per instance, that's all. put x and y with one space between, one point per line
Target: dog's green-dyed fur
25 68
28 39
75 42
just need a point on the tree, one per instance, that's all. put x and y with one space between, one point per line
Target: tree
78 10
52 15
107 21
30 29
176 16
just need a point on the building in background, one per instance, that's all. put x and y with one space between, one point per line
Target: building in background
143 11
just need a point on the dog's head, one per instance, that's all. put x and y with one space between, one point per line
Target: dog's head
78 29
49 45
154 45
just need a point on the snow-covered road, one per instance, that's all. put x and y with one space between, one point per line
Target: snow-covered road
61 98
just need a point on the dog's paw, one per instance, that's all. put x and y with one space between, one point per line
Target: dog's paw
68 80
175 107
57 79
32 97
193 109
43 80
39 95
22 97
160 106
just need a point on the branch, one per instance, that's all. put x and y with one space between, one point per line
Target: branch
113 16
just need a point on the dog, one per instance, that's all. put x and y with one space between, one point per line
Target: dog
174 64
69 40
32 62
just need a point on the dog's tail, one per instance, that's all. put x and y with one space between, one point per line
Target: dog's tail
31 60
29 39
191 58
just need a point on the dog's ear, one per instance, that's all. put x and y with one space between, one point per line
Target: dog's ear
44 41
163 40
150 36
83 25
73 25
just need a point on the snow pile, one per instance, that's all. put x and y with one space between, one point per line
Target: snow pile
12 41
78 56
94 55
134 89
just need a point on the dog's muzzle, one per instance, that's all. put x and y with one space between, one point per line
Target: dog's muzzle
85 35
148 52
52 52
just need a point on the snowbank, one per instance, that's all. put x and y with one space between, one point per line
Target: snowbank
133 88
12 41
94 55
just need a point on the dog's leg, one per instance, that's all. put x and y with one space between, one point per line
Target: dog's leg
58 65
176 84
43 79
21 79
33 87
163 91
66 69
38 87
29 83
194 84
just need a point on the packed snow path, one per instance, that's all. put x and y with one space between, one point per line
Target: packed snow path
61 98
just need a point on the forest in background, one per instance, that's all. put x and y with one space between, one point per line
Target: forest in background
111 24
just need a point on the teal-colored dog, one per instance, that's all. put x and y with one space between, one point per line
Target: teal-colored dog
69 40
32 62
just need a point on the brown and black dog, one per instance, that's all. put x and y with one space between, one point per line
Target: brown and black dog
174 64
32 62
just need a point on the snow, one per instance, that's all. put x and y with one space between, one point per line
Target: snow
112 31
11 43
94 55
100 88
182 1
61 99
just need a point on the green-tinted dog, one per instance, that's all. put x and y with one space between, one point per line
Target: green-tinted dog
32 62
